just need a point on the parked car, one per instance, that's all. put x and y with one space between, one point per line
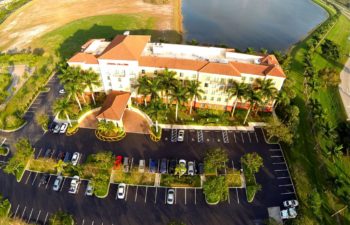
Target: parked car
200 168
164 166
57 183
60 155
153 166
289 213
182 162
126 165
63 128
290 203
57 128
52 126
190 169
172 166
118 161
75 158
62 91
141 166
44 179
74 185
48 153
89 189
121 191
181 136
67 157
170 196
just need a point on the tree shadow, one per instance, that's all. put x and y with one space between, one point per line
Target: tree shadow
73 43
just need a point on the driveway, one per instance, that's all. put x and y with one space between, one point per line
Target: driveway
135 123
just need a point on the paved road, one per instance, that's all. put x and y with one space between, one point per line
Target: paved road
344 87
146 205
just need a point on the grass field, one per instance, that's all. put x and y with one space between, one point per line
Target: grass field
306 164
39 17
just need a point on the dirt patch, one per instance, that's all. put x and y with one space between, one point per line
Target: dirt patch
40 16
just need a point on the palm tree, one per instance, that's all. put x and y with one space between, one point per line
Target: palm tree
63 106
266 88
282 98
141 86
60 166
335 152
106 127
254 98
237 90
153 86
92 79
195 92
180 95
73 89
156 108
69 75
168 81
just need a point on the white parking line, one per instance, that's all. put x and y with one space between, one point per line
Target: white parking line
250 139
30 215
37 218
234 135
237 195
165 196
146 194
64 180
82 223
36 174
39 153
185 196
228 199
195 196
47 214
276 156
280 170
47 182
137 187
25 208
279 163
256 137
175 195
126 192
92 223
282 178
16 210
53 152
287 193
285 185
275 150
30 173
242 137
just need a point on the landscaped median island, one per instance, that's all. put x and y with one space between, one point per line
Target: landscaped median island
251 163
133 177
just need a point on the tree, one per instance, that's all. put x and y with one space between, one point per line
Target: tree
180 169
315 202
92 79
168 81
107 127
153 86
215 189
63 106
42 120
195 92
329 76
254 98
156 108
276 129
282 99
335 152
237 90
179 95
253 162
73 89
330 50
215 158
60 166
266 88
264 51
17 163
61 218
250 50
142 89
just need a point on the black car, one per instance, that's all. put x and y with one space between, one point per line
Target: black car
44 179
200 168
172 166
61 155
163 166
52 126
67 157
48 153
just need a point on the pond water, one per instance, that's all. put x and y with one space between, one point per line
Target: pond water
271 24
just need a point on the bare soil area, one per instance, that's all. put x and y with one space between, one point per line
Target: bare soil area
40 16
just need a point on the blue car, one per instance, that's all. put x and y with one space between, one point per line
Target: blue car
153 166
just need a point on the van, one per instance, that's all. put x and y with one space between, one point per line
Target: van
126 164
141 166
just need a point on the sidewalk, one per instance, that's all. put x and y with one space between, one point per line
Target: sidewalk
250 127
344 87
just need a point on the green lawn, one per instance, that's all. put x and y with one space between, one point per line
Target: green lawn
67 40
5 82
307 165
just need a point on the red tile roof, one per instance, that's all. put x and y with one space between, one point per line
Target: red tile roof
114 105
82 57
125 47
171 63
220 68
269 60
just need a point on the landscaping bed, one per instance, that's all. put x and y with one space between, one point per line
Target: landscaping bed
45 165
4 151
5 82
183 181
133 177
234 178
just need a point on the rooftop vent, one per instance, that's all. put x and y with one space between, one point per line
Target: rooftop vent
126 33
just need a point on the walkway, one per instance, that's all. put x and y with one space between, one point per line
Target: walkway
90 121
135 123
344 88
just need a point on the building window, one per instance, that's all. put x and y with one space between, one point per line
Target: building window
212 99
218 99
243 78
251 79
204 97
181 74
143 71
155 72
206 84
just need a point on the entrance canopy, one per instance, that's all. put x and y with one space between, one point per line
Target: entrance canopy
114 106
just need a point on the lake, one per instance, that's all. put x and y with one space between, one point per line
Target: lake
271 24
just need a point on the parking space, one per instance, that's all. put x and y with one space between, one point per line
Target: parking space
30 215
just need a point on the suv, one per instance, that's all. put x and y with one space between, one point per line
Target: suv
152 166
289 213
181 136
126 165
141 166
190 168
57 183
74 184
172 166
163 166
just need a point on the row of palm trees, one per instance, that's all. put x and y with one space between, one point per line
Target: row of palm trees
166 87
75 81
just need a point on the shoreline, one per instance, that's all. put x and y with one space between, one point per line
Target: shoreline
178 18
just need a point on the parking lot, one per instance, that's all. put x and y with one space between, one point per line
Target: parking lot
141 201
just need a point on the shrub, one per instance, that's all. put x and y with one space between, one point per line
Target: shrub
215 189
61 218
5 206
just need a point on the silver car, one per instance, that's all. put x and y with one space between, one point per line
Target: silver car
170 197
57 183
75 158
89 189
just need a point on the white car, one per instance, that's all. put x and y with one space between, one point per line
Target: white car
142 166
289 213
63 128
74 184
181 135
62 91
89 189
190 168
75 158
290 203
182 162
57 128
171 197
121 191
57 183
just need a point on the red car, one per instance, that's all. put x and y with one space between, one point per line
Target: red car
118 161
